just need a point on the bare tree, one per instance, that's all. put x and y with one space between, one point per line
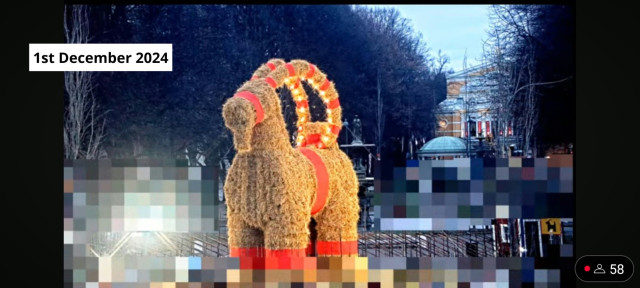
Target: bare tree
83 123
441 62
380 117
510 50
499 83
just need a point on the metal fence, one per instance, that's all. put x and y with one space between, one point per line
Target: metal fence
476 243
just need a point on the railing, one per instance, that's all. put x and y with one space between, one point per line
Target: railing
476 243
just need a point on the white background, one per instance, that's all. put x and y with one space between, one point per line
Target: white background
99 49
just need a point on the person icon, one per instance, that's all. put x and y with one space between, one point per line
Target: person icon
599 270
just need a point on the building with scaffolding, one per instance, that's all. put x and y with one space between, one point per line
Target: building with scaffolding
467 111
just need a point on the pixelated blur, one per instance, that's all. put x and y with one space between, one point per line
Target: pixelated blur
435 223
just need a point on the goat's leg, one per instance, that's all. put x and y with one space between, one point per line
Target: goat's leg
287 234
244 240
338 226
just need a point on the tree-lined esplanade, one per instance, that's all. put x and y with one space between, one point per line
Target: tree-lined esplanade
382 68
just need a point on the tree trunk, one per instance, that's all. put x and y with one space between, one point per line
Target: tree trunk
83 125
380 118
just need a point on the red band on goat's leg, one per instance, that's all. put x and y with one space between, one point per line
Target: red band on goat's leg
285 252
310 251
246 252
337 248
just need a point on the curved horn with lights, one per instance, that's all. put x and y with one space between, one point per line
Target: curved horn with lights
291 76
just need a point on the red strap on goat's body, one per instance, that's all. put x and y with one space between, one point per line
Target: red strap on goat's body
255 102
322 176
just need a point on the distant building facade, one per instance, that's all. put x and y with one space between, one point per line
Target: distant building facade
466 112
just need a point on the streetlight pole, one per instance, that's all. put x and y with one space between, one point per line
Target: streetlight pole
346 134
466 102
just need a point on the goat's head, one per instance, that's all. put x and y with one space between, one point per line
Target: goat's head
240 117
252 104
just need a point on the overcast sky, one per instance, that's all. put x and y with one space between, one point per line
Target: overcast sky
451 28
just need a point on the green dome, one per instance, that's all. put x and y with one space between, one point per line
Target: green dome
444 145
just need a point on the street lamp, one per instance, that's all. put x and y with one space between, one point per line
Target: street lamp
468 136
346 134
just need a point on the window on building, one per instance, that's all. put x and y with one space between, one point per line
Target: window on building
504 233
472 125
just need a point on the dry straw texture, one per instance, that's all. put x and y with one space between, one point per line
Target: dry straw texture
271 186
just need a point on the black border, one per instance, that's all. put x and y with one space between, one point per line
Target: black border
607 161
32 103
606 154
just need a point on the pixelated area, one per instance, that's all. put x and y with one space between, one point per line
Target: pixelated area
139 195
318 272
146 223
459 193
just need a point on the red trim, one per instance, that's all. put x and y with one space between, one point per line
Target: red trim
271 82
292 72
311 249
333 104
256 104
312 139
271 66
246 252
254 77
335 129
297 83
488 128
312 70
252 263
322 188
325 85
303 103
285 252
326 248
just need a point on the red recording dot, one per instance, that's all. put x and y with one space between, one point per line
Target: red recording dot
587 268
